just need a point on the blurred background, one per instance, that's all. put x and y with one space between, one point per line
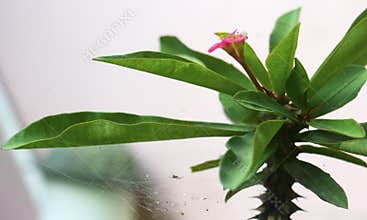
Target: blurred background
46 68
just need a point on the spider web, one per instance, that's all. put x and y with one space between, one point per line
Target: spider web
106 170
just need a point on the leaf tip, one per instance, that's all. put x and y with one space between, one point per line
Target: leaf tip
102 59
7 146
228 196
361 132
193 169
166 37
344 204
297 11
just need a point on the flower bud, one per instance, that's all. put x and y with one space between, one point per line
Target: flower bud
232 43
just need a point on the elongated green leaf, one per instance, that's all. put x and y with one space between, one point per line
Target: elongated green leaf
322 137
264 133
297 85
352 49
336 141
256 67
280 60
247 153
175 67
283 26
236 112
348 127
261 102
338 91
318 181
258 178
356 146
361 16
90 128
172 45
332 153
205 166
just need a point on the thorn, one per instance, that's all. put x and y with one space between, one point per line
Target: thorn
294 195
261 208
255 217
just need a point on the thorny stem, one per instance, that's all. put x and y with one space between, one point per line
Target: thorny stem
277 199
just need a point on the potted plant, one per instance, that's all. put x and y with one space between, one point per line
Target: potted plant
275 110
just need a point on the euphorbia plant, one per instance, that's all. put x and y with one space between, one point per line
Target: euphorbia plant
272 109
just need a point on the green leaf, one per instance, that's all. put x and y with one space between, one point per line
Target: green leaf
258 178
283 26
256 67
90 128
322 137
205 166
337 91
280 60
297 84
264 133
242 146
236 112
356 146
261 102
336 141
348 127
247 153
172 45
361 16
332 153
231 170
319 182
352 49
175 67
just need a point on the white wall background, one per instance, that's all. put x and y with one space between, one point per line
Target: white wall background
42 61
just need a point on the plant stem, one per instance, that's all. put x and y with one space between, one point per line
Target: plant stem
277 199
250 73
254 80
252 77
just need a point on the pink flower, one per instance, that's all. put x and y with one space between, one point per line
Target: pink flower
234 37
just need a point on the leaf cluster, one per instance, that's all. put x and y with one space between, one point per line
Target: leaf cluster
288 99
